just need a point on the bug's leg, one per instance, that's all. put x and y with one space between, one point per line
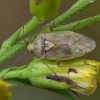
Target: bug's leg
14 63
50 68
70 26
58 63
30 39
23 28
76 24
27 41
32 59
51 27
90 63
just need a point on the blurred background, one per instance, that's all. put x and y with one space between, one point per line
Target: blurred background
11 18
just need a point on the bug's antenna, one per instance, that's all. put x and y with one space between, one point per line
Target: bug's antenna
23 19
50 69
25 42
15 63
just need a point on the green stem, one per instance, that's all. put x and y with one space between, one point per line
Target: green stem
7 44
7 53
78 24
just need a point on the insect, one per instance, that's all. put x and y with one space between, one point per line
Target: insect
62 45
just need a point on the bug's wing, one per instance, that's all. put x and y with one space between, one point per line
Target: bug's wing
68 45
61 52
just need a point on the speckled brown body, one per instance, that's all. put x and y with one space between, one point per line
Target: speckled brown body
62 45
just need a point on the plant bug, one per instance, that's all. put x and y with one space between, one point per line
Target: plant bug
61 45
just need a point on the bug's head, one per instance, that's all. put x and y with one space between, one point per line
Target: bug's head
31 47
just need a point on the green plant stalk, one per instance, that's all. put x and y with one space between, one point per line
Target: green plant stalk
71 26
7 44
7 51
79 75
79 24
